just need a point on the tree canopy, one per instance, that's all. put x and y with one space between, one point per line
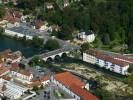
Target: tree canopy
112 20
52 44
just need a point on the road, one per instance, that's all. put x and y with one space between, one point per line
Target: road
34 70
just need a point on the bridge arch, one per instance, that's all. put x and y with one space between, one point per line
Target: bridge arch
64 55
57 57
49 59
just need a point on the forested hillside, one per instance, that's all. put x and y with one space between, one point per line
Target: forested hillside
111 20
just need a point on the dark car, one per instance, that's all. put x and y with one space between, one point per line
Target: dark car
37 93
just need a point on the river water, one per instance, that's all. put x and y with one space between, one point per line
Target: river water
28 51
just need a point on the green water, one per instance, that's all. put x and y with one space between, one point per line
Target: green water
9 43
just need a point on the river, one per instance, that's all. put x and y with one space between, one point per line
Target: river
28 51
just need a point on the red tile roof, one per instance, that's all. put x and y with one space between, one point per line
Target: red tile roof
85 95
3 70
9 54
25 72
17 14
67 79
34 83
15 65
39 23
75 85
6 78
10 18
105 57
123 58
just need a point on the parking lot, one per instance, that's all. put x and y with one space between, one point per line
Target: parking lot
38 71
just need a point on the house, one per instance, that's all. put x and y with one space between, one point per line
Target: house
54 27
13 66
11 90
41 25
34 83
71 84
17 14
3 23
9 56
87 36
4 71
1 62
83 94
104 60
66 3
14 57
7 78
44 80
4 1
49 5
13 17
23 75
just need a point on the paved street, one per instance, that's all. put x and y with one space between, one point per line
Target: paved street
50 89
36 71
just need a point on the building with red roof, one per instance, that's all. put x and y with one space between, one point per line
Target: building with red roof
41 25
4 71
84 94
24 75
105 60
73 86
9 56
67 79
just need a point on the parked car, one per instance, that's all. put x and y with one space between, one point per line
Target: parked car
37 93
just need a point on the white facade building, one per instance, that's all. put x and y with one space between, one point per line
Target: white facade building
24 76
106 61
65 88
73 86
12 91
88 36
12 33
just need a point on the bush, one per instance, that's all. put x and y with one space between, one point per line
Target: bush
52 44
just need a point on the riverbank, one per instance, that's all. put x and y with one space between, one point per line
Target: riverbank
7 42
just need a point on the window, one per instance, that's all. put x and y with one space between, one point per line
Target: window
120 69
97 61
106 63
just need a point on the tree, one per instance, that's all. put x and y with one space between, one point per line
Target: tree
37 42
106 39
85 46
1 11
37 61
130 69
1 30
30 4
65 33
52 44
104 94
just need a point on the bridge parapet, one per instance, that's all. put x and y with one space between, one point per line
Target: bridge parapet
52 54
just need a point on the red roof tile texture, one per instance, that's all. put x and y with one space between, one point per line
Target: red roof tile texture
25 72
68 79
85 95
105 57
3 70
75 85
6 78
